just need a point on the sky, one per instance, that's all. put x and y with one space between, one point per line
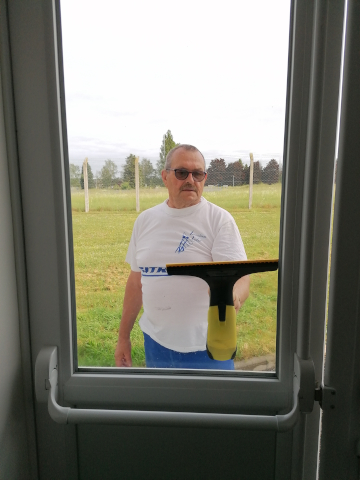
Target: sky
214 73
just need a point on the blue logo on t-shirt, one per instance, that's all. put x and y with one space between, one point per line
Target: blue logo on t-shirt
188 240
153 271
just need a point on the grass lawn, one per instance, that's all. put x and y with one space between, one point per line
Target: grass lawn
101 239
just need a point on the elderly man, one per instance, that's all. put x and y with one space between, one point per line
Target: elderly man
185 228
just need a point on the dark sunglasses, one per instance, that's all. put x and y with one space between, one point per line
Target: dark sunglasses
182 174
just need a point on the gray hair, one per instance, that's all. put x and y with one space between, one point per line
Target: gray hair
189 148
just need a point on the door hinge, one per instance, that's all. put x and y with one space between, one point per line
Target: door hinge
326 396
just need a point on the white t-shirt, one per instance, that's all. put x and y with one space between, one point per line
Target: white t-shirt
175 307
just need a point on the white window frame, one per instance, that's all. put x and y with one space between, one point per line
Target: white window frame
39 91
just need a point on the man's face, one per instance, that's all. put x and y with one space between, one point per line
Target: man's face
184 193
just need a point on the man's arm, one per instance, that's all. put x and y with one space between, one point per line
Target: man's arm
241 291
131 308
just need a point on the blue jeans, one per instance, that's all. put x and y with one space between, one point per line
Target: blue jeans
158 356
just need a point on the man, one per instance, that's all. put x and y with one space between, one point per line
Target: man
186 228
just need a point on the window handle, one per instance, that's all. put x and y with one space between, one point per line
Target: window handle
46 386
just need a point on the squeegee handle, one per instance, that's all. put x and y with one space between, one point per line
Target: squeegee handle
221 335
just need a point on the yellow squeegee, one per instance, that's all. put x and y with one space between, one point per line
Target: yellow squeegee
221 277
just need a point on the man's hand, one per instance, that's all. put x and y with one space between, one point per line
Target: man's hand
237 302
131 308
123 353
241 292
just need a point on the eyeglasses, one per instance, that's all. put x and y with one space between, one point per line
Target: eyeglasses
182 174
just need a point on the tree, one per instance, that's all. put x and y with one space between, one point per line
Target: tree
235 173
246 169
167 144
91 182
97 179
129 170
75 175
108 174
257 172
216 172
147 172
271 172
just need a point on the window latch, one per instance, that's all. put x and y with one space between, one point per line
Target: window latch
310 391
326 396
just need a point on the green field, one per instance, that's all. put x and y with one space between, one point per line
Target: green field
101 238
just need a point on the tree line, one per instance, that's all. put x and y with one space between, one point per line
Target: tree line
111 177
219 173
237 173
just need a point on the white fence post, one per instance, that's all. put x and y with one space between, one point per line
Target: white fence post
137 184
86 185
251 178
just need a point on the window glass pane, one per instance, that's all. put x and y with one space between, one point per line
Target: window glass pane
141 77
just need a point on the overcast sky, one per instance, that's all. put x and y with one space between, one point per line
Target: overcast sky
214 73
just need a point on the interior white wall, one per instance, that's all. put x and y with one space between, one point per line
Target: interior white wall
14 458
